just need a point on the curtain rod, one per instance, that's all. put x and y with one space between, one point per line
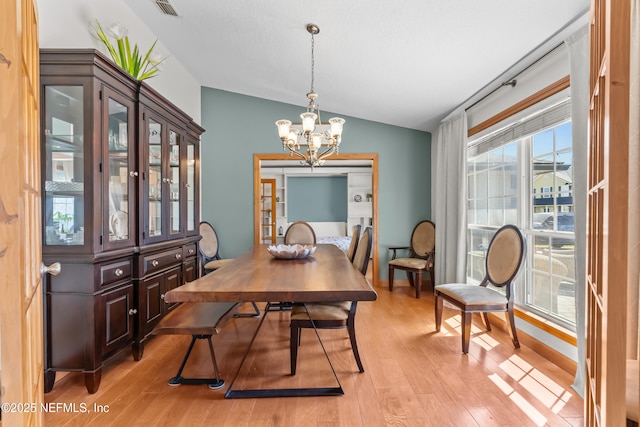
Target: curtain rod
509 82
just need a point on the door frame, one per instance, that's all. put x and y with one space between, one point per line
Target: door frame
373 157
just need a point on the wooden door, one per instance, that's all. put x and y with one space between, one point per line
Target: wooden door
21 354
607 214
268 211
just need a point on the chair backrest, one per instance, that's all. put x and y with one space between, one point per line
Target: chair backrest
209 243
423 238
504 256
363 251
355 236
301 233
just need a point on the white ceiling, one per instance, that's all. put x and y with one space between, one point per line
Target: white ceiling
401 62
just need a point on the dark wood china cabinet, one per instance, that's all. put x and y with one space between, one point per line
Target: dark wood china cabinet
120 208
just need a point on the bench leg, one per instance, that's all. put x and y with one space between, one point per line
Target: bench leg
255 314
213 383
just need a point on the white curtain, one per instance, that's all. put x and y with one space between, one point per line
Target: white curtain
578 48
451 200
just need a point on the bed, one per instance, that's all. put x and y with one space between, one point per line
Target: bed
334 233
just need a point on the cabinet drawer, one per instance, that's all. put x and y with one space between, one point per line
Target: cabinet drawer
189 250
111 273
162 260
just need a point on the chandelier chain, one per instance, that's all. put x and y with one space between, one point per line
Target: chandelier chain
312 62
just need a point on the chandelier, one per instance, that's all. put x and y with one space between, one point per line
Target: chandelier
311 140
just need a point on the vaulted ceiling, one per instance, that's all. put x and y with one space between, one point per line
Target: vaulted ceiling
401 62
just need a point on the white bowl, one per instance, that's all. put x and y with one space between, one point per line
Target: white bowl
291 251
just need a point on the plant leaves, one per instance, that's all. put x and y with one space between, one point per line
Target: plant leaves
131 61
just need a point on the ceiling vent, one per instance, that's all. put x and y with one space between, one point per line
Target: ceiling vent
166 7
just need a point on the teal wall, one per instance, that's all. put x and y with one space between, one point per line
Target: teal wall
317 199
237 126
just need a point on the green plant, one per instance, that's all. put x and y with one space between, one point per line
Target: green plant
62 219
132 61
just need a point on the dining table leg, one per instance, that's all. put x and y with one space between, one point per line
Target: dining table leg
282 392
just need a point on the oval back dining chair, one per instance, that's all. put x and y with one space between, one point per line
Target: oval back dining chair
353 245
209 248
503 262
421 258
331 315
300 232
210 260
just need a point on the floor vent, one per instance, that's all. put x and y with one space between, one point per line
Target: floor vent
166 7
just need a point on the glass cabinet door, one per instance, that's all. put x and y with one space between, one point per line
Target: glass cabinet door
64 192
267 211
190 186
173 182
155 179
119 173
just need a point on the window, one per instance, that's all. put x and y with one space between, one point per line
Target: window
523 175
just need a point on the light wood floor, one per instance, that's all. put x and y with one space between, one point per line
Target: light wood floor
414 377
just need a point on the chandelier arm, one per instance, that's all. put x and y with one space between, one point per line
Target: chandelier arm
301 155
326 153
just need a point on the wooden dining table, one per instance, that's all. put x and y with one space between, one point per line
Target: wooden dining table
256 276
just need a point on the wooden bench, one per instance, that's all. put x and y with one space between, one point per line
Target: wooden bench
200 320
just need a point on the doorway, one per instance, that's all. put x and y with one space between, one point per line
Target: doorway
346 158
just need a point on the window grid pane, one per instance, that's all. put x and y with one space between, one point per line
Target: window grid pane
547 283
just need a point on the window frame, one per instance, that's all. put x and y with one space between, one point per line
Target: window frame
526 193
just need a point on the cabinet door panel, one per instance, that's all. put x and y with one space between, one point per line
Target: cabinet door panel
118 170
155 189
189 270
173 279
119 317
174 184
191 189
64 162
152 307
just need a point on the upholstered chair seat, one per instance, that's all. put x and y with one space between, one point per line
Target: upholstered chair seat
324 311
473 295
415 263
217 263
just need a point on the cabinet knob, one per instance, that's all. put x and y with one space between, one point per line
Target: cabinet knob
178 256
118 272
187 185
54 269
191 251
132 311
133 174
154 262
161 296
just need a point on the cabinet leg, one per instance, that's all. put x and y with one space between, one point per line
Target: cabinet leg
49 380
136 350
92 380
